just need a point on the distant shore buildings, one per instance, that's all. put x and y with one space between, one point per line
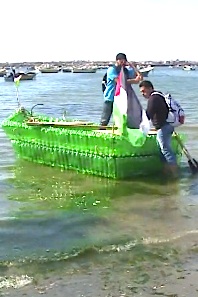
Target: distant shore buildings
98 64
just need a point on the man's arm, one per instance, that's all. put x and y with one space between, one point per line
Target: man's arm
150 111
112 74
135 80
138 76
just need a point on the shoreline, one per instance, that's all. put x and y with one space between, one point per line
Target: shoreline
103 282
174 277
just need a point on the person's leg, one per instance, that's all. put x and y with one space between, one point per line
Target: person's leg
106 113
167 155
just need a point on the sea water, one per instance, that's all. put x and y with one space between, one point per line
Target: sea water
50 219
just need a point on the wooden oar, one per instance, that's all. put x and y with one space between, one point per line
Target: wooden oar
193 164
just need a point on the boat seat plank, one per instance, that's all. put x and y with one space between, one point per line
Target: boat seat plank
108 129
73 123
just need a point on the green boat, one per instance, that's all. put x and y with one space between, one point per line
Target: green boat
83 147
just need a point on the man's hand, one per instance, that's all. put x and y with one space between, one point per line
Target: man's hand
138 78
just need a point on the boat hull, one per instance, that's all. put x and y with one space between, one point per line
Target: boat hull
49 70
145 71
188 68
66 69
83 148
78 70
2 73
28 76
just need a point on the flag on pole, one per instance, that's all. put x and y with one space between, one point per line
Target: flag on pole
128 113
17 80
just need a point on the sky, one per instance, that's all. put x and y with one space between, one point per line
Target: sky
63 30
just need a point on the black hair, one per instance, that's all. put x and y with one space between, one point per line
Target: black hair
121 56
146 84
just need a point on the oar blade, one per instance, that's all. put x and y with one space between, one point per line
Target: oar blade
193 164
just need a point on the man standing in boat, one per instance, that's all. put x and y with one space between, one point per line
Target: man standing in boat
157 111
133 77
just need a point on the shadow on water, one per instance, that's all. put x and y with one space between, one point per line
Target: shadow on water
49 189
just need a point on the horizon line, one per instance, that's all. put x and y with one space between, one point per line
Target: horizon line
100 61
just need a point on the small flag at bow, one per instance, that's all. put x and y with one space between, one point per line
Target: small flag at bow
17 80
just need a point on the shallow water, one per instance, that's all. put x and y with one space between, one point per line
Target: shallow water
49 216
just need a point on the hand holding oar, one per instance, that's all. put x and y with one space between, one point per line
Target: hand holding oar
193 164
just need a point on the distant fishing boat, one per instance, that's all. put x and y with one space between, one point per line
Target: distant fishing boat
188 67
145 70
2 72
68 69
84 70
32 69
24 76
49 70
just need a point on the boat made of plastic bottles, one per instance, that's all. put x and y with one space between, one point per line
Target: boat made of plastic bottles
82 146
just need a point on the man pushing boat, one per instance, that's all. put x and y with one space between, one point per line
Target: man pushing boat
157 111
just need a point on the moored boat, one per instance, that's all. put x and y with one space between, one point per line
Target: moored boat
2 72
84 70
145 70
188 67
49 70
67 69
24 76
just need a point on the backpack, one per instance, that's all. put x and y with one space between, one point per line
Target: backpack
176 115
104 79
104 82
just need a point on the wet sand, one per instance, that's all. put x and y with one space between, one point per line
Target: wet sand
179 284
117 280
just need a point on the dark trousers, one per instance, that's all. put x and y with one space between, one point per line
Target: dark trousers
106 113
